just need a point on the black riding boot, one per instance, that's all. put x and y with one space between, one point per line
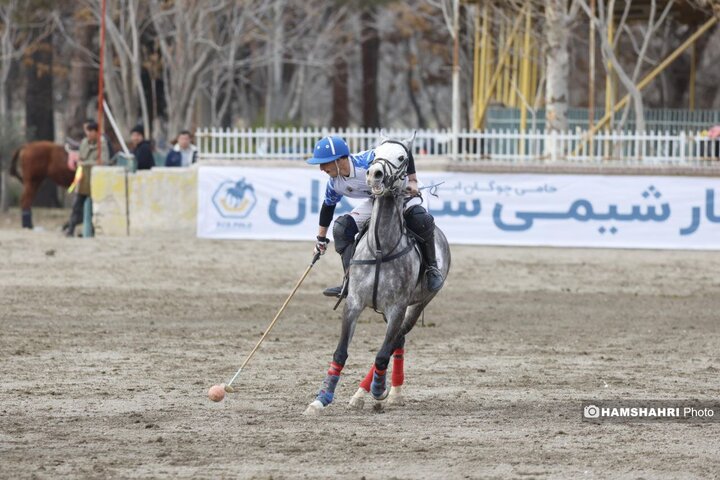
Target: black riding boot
434 278
342 289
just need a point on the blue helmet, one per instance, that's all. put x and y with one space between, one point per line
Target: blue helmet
329 149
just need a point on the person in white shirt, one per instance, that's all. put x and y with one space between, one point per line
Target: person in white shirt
184 153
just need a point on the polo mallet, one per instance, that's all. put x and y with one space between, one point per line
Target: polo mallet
228 387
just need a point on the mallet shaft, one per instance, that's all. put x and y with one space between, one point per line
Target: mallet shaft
272 324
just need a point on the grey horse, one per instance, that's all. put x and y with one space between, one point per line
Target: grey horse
385 274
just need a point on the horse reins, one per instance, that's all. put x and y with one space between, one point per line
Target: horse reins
394 173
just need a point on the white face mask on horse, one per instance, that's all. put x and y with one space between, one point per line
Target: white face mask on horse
387 174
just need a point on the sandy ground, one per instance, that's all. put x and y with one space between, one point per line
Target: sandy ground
108 347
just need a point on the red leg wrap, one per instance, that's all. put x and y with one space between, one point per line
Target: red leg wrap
334 369
365 384
398 370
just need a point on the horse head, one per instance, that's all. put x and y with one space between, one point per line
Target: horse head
387 173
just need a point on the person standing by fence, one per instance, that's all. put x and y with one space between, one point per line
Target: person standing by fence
88 156
141 148
184 153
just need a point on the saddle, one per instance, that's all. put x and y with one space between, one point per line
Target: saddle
413 244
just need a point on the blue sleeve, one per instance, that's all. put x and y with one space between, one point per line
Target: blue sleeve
331 196
363 159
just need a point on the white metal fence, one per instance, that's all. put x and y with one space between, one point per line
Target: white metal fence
623 148
673 120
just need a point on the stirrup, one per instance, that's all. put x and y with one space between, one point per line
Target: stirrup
332 291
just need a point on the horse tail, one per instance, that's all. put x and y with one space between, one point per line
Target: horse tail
13 164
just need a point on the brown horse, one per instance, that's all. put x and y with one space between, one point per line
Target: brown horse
38 161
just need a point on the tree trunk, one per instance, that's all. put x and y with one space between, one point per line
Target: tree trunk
340 107
40 124
80 74
7 134
138 66
4 197
370 45
414 85
557 62
4 124
39 92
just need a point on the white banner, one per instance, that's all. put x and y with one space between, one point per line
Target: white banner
487 209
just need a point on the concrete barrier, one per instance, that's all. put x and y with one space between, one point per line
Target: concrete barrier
149 201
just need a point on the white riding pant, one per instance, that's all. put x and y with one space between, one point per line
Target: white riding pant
361 213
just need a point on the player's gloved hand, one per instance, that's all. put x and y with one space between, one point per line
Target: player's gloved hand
321 245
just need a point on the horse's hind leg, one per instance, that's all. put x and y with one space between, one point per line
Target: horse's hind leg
327 391
30 188
395 397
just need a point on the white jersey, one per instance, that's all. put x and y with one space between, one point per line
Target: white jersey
355 186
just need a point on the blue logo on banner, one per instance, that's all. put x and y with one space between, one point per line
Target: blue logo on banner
234 199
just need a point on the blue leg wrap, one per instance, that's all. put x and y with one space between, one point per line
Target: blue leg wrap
27 219
327 392
377 387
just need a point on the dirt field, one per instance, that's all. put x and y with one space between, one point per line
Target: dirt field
108 347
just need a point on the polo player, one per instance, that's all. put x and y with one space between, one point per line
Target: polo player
347 178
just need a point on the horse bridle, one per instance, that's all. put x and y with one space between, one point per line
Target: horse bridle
395 173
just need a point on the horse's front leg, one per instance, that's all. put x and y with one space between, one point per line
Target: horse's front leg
327 391
392 335
395 397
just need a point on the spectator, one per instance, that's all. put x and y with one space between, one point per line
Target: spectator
714 135
184 153
141 148
87 157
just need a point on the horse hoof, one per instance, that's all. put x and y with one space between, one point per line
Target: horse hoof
395 398
316 408
357 402
379 407
383 396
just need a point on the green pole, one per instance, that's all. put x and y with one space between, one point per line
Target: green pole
87 218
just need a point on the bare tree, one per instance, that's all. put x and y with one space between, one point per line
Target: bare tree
451 13
126 22
14 41
558 17
186 34
320 40
18 33
84 29
221 84
603 19
274 57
